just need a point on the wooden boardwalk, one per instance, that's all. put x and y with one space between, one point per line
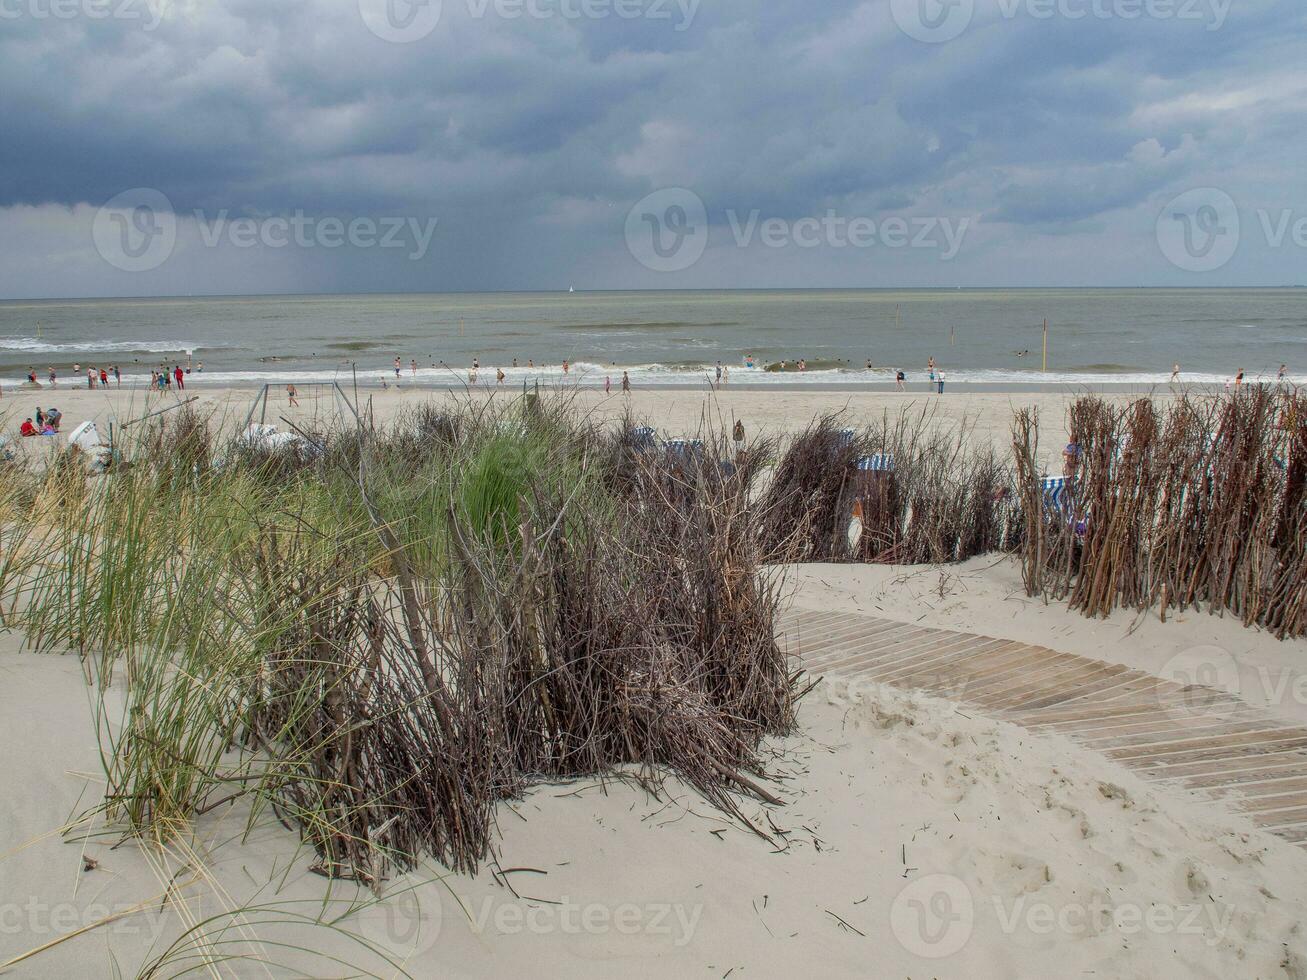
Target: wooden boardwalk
1207 741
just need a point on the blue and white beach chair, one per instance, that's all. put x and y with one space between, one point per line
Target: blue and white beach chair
877 463
644 437
684 448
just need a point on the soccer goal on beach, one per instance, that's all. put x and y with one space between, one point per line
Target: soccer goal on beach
316 401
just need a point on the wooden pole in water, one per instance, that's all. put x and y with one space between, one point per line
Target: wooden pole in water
1046 345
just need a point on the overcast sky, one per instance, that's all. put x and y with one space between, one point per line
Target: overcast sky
611 144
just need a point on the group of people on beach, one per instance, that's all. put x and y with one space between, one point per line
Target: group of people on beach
46 423
162 379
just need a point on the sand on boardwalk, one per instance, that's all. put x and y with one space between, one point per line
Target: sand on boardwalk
919 840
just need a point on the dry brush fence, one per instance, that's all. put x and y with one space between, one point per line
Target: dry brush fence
932 496
1199 504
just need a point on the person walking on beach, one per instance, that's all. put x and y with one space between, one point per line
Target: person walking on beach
118 375
104 377
90 378
939 377
472 375
1284 369
726 374
930 367
53 383
499 376
626 383
291 396
719 372
1175 372
413 366
1238 378
899 378
180 376
608 384
396 368
566 367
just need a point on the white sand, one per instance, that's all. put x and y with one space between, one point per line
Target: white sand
953 845
1057 862
673 412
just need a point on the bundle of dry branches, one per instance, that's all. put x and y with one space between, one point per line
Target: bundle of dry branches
1200 504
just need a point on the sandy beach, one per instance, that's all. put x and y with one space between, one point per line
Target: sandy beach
1052 853
1051 859
985 411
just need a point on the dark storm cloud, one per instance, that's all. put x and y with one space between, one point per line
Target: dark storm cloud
530 137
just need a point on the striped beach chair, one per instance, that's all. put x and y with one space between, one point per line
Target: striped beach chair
844 438
877 463
684 448
644 437
1055 493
